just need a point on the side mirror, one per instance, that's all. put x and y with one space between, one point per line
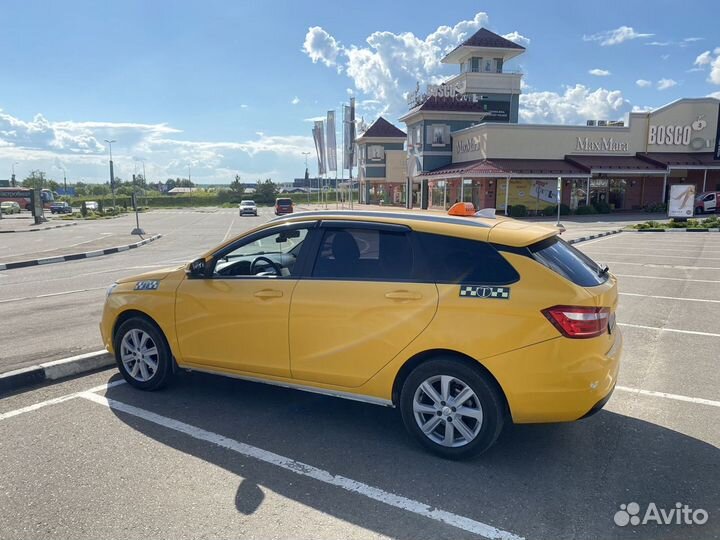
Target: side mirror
197 268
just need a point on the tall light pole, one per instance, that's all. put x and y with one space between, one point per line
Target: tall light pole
189 179
64 179
307 174
112 176
12 181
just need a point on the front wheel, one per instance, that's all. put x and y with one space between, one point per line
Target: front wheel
699 211
142 354
452 408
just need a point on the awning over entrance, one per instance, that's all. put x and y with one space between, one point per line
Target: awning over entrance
625 165
508 168
682 160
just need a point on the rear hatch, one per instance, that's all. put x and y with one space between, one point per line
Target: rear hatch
575 266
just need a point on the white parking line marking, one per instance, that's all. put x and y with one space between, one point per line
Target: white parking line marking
303 469
676 397
635 249
228 230
675 267
50 294
55 401
675 330
596 254
670 297
669 278
588 242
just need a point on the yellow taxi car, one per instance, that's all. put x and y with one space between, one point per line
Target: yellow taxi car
463 323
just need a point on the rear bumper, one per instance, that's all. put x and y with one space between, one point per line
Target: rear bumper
560 380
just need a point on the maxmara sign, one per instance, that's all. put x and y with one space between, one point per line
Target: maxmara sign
601 144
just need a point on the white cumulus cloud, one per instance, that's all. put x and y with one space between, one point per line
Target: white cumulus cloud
574 106
711 60
518 38
643 83
599 72
615 37
388 64
321 46
664 84
295 100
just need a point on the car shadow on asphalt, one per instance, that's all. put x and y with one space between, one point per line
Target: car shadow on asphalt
538 481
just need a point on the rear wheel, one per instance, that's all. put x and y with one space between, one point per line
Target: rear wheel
142 354
451 408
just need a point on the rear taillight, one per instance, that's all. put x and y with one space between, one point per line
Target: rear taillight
578 321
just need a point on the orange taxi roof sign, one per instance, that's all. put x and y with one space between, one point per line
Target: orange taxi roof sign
462 209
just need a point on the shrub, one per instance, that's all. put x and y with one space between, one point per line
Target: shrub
585 210
518 210
552 210
656 208
602 207
83 209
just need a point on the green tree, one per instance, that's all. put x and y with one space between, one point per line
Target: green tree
266 191
36 180
236 186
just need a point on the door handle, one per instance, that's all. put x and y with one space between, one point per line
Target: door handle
268 293
403 295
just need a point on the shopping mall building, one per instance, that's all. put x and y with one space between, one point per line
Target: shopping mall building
462 142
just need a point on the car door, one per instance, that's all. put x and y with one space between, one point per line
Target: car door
236 317
359 306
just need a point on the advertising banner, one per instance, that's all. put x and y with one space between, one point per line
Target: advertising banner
534 194
331 142
319 138
682 198
349 134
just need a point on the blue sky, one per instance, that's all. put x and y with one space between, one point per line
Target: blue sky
230 87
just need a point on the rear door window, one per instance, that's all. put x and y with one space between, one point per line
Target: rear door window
284 202
571 263
364 254
448 259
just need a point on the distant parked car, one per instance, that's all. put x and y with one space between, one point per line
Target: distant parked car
283 205
91 205
60 208
707 202
10 207
248 208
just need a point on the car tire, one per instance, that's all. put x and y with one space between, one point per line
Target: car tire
699 211
476 421
142 354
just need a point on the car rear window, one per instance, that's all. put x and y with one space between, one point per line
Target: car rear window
448 259
284 202
571 263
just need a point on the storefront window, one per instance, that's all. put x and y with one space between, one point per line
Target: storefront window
608 190
578 193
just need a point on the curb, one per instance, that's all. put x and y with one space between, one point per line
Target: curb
57 369
40 229
593 236
77 256
675 229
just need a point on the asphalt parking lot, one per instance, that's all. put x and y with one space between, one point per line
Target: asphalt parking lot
220 458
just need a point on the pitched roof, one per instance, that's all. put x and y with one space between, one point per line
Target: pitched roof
486 38
383 128
508 167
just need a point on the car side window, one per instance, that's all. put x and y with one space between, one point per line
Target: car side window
448 259
270 256
358 253
710 197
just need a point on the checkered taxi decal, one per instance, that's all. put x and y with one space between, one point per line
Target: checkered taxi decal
484 291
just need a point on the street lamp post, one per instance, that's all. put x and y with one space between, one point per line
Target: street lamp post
12 181
306 154
112 176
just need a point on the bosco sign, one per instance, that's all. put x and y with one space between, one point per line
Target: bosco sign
673 135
